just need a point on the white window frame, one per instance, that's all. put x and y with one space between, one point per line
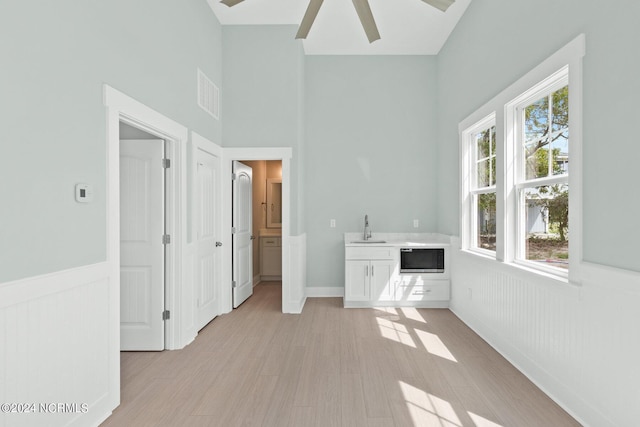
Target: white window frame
502 105
470 187
514 112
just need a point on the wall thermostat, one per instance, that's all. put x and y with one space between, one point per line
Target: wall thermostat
84 193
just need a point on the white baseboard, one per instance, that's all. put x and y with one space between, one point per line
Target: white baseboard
294 307
324 292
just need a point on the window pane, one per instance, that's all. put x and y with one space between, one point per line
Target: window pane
560 109
484 168
486 209
493 140
560 150
546 210
536 119
492 179
537 159
483 144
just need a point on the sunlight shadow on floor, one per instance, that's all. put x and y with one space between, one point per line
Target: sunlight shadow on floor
395 331
427 409
413 314
481 421
434 345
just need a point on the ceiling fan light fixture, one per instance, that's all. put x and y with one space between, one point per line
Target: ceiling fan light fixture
230 2
308 19
366 19
443 5
362 8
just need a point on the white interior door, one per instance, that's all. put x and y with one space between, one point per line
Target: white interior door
242 229
208 236
141 246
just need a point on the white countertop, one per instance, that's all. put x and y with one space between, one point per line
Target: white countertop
398 239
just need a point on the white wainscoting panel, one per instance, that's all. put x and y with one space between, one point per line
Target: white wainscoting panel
57 346
580 343
189 308
293 302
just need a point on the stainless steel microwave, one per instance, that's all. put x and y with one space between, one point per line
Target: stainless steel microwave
421 260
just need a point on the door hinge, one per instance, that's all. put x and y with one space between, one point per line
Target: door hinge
166 315
166 239
234 284
234 177
233 230
166 163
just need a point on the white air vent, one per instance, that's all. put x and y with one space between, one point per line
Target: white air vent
208 95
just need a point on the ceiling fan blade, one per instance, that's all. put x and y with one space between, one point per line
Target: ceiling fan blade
309 17
443 5
366 18
230 2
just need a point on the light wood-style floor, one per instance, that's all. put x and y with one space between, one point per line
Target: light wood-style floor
330 366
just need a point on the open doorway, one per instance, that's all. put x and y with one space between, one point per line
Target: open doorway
143 164
283 155
124 109
267 220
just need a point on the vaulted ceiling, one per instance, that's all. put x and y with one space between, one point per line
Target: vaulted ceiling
406 27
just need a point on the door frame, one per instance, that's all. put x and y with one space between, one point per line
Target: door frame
283 154
122 108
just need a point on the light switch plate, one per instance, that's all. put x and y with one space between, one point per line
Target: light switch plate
84 193
416 223
332 223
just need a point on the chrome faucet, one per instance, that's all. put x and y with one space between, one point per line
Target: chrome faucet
367 230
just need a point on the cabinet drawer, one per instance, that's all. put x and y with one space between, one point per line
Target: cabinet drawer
376 252
270 241
423 291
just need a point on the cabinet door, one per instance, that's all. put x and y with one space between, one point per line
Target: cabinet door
356 287
382 285
270 257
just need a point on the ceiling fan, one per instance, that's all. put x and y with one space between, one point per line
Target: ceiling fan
362 8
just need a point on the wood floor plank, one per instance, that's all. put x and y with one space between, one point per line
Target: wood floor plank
330 367
329 413
352 405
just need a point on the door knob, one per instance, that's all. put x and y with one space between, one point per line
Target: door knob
218 244
253 237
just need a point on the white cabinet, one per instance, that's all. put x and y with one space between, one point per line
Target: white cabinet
421 287
270 258
382 280
369 280
369 274
357 278
372 278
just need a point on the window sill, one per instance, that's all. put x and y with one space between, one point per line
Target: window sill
522 269
561 276
488 255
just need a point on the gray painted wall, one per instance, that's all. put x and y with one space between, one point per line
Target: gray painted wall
55 58
370 126
360 127
480 59
262 96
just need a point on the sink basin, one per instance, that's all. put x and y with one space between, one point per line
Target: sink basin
369 241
